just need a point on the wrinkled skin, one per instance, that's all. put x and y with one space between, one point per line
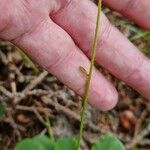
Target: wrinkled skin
58 34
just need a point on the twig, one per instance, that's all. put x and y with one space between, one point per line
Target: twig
139 137
145 142
69 113
61 108
36 92
5 61
31 109
15 126
6 92
139 122
3 57
35 82
32 84
12 73
43 132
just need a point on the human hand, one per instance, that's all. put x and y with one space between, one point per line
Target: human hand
58 35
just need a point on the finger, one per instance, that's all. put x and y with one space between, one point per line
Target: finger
114 51
52 47
137 10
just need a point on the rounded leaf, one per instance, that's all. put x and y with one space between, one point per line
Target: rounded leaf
108 142
65 144
28 144
45 141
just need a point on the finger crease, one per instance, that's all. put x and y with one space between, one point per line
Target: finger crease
61 60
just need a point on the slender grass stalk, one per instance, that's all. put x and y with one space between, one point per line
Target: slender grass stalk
89 76
27 60
48 125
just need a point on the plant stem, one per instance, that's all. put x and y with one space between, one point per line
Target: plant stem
89 76
27 59
48 125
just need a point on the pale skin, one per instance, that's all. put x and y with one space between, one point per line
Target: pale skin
58 35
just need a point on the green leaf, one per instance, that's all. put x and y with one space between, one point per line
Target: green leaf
65 144
39 142
29 144
45 141
108 142
2 110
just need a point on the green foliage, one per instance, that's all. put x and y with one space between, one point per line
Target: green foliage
2 110
40 142
108 142
65 144
44 143
29 144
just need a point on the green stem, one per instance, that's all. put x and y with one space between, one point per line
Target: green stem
88 81
48 125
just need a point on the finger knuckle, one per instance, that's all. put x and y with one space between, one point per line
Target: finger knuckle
59 60
61 5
